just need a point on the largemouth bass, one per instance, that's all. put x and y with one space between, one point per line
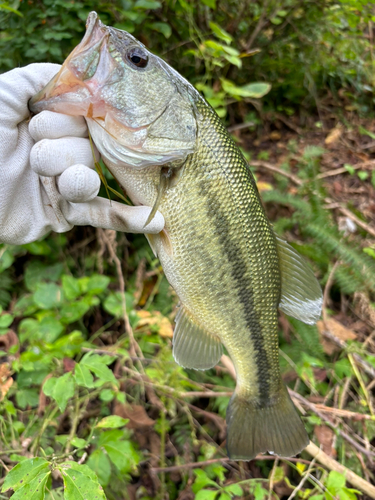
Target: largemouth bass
167 147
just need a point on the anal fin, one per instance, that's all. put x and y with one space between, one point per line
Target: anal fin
301 295
194 347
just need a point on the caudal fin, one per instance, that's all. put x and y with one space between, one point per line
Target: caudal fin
277 429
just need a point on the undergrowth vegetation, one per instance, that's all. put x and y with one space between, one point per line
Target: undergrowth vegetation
92 404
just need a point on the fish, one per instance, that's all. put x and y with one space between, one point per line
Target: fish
167 148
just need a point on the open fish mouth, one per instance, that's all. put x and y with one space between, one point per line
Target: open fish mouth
72 91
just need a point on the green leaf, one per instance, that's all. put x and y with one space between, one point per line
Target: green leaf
24 472
278 474
348 494
221 33
163 28
276 20
60 389
107 395
147 4
252 90
230 50
349 168
49 385
112 422
28 329
224 496
49 329
369 251
90 357
6 260
311 152
82 468
100 464
4 6
123 455
259 492
63 390
25 306
234 489
27 397
210 3
33 490
335 480
38 248
364 131
79 486
236 61
71 287
363 175
47 295
6 320
73 312
113 304
97 365
206 495
83 376
97 284
78 442
202 480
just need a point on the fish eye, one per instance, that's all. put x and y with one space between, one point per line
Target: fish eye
137 57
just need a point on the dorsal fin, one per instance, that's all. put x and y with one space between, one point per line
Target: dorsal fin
193 347
301 295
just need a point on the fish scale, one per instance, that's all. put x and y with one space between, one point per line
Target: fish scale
167 147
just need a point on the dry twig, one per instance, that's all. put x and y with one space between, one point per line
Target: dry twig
331 464
342 433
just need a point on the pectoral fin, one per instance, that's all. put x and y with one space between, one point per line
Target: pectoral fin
301 295
193 347
163 185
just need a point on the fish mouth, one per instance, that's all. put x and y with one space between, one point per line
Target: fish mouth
72 91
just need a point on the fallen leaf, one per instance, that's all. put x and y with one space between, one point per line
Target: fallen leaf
325 436
6 381
8 340
320 374
275 135
334 135
156 319
42 397
68 364
135 413
264 186
338 330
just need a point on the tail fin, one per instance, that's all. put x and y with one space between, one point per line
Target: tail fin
277 429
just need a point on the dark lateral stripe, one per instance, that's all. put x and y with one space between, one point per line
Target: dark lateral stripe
243 288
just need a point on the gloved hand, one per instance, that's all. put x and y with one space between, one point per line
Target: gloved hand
51 185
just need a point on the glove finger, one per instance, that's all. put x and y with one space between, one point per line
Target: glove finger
50 157
79 184
50 125
100 212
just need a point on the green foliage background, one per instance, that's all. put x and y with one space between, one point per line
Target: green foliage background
62 297
303 48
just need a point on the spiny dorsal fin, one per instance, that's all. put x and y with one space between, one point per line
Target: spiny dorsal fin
301 295
193 347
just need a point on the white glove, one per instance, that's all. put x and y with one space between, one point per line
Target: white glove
51 185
